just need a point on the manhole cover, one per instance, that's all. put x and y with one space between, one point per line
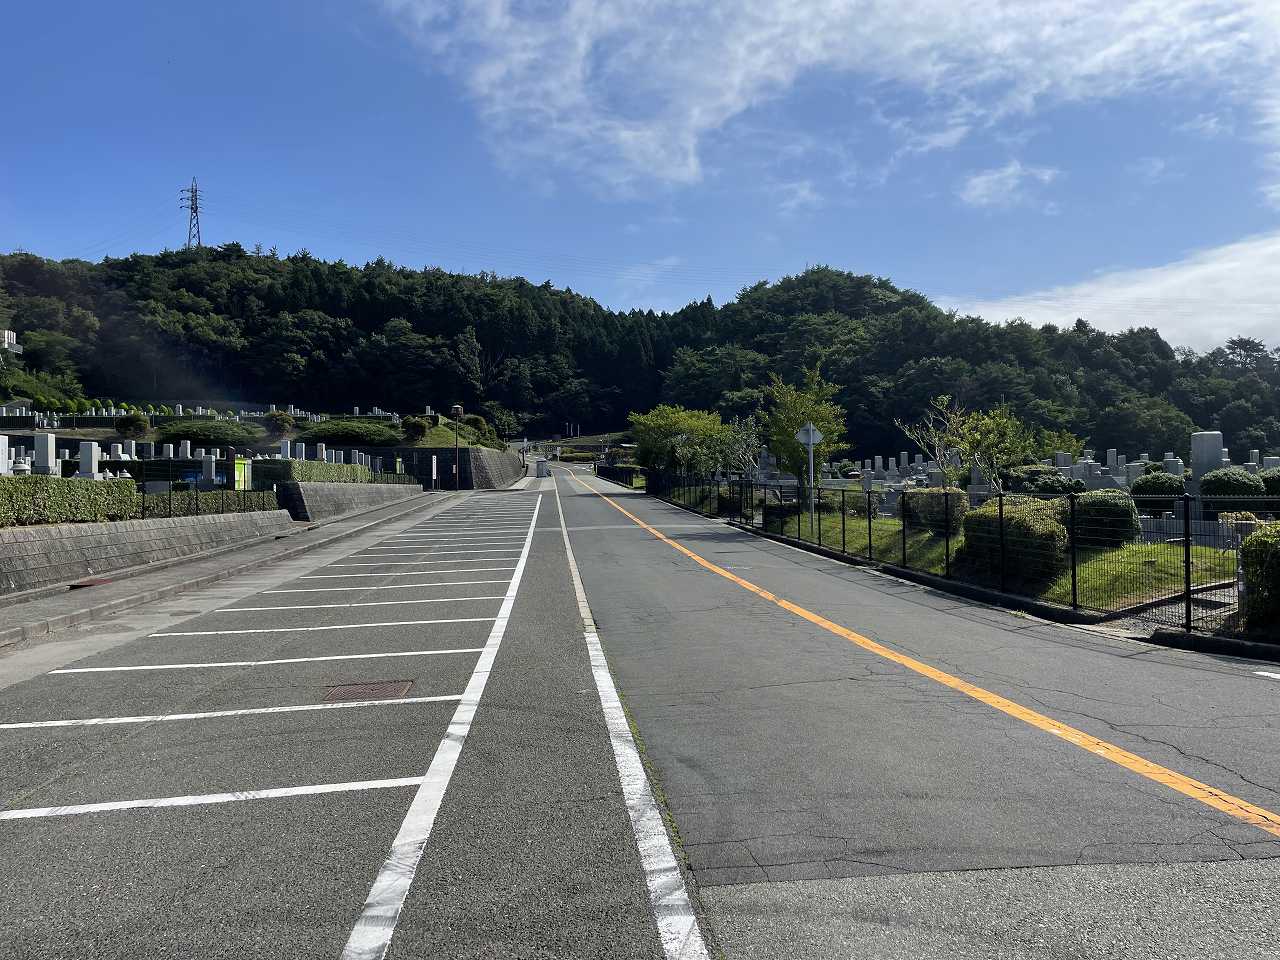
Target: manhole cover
373 690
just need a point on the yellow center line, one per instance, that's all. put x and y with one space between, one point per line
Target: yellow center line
1218 799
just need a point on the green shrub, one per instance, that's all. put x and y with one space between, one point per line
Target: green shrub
1260 556
278 423
1239 516
928 508
1232 482
38 499
209 433
359 432
857 503
267 472
1271 480
1035 542
132 426
1166 486
189 503
414 429
1104 518
1038 478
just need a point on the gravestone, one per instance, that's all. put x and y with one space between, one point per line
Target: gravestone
129 450
166 451
1270 463
88 460
377 464
184 450
208 471
1173 465
1206 452
147 450
1132 471
299 450
46 463
321 453
4 456
117 452
285 450
1061 459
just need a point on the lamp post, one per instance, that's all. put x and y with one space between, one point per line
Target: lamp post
456 412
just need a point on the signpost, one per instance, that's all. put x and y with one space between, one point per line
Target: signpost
810 436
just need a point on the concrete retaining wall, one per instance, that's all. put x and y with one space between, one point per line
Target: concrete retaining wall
493 469
41 556
320 501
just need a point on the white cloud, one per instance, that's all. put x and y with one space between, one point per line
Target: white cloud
797 196
1199 301
1005 186
1152 169
1209 125
627 91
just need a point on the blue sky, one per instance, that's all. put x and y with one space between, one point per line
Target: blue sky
1050 159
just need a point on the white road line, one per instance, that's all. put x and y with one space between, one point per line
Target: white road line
677 923
1269 675
392 586
244 712
420 563
412 552
476 538
333 626
265 663
371 935
366 603
203 798
407 573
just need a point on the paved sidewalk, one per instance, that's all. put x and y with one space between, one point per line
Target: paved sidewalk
24 623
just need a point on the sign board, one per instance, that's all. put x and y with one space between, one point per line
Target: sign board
809 435
434 475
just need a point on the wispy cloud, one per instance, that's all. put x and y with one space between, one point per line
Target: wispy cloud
627 91
1153 169
797 196
1198 301
1006 186
1208 125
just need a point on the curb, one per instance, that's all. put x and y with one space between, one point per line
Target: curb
26 631
1210 643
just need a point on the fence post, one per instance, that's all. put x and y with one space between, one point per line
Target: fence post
871 550
799 511
818 513
946 531
902 501
843 518
171 486
1071 539
1186 561
1003 564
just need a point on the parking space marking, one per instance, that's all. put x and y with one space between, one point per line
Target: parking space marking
390 586
264 663
366 603
371 935
210 714
1267 674
419 563
334 626
417 573
203 798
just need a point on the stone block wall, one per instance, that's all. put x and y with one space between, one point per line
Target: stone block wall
321 501
46 555
492 469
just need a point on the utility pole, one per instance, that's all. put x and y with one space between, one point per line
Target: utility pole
191 202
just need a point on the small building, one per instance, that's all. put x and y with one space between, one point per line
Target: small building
9 341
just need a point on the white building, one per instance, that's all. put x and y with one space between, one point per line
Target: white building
9 341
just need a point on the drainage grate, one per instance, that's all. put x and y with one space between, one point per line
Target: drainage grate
373 690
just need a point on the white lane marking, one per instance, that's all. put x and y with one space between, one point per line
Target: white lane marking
203 798
677 923
242 712
371 935
266 663
1265 673
333 626
392 586
471 538
414 552
407 573
421 563
365 603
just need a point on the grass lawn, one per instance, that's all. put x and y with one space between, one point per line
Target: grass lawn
1106 578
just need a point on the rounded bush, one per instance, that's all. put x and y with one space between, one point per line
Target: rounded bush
1038 478
1232 482
1104 518
936 509
413 428
351 431
1158 484
132 426
1260 557
209 433
278 423
1035 542
1271 480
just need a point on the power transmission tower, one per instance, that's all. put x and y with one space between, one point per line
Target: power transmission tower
191 202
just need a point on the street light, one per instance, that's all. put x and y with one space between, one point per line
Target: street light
456 412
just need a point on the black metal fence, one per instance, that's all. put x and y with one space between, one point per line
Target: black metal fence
628 475
190 502
1170 561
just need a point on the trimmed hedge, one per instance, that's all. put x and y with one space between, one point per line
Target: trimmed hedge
189 503
1232 482
360 432
1104 518
266 472
928 508
1260 556
38 499
209 433
1158 484
1038 478
1035 542
1271 480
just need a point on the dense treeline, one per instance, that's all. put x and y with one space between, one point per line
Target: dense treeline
224 323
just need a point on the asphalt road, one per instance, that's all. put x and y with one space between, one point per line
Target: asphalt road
849 765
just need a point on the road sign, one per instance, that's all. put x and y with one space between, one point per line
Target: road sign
809 435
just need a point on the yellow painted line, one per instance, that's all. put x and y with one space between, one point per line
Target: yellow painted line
1218 799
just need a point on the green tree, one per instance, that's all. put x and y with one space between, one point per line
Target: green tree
995 441
671 437
790 408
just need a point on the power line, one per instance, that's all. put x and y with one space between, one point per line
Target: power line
191 203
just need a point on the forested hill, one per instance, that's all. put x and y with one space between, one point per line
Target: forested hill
223 323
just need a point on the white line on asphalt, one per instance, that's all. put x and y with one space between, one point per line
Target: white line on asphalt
1264 673
265 663
333 626
407 573
243 712
371 935
677 923
413 552
393 586
366 603
469 538
433 549
419 563
202 798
